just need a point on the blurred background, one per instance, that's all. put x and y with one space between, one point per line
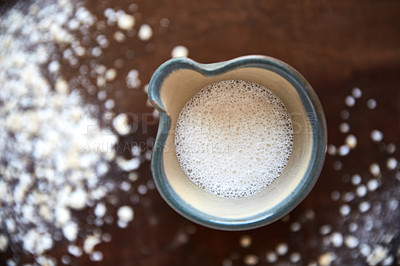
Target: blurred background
76 130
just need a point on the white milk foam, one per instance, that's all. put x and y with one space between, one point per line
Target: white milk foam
233 138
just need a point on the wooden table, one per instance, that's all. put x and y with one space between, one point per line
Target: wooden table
337 46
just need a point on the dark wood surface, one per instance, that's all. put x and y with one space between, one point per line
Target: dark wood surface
336 45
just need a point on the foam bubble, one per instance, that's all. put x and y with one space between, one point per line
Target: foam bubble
233 138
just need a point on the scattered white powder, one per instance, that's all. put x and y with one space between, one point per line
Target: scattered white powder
398 175
164 22
348 196
250 259
128 164
53 165
332 149
109 104
70 231
106 237
63 215
361 191
344 114
344 150
100 210
54 66
271 257
371 104
121 124
337 165
142 189
75 250
335 195
389 260
391 148
179 51
145 32
326 259
235 127
391 163
350 101
90 242
96 51
364 206
372 184
344 127
132 79
376 135
125 215
378 255
374 169
368 225
49 128
36 242
325 229
96 256
351 141
126 22
110 74
3 243
44 260
309 214
357 93
351 241
365 249
295 227
226 262
102 95
102 41
77 199
295 257
356 179
125 186
353 227
111 15
245 241
282 249
135 151
286 218
119 37
393 204
345 210
337 239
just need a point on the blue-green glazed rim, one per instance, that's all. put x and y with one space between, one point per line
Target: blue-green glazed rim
311 104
